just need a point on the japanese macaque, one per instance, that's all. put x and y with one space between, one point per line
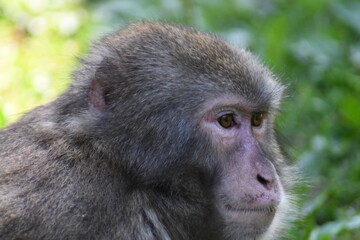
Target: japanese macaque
166 132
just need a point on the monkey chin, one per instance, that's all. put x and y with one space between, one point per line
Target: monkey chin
247 222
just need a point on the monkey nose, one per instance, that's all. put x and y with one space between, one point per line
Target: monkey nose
267 182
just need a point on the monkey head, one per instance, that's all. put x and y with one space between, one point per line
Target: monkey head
178 100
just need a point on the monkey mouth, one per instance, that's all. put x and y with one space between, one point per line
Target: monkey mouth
249 220
268 210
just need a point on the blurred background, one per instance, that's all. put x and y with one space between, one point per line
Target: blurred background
313 46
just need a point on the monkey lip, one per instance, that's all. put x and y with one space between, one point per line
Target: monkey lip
252 220
252 210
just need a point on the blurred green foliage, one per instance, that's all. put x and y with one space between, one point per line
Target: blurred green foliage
313 46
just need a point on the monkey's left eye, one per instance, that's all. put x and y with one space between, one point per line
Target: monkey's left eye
257 119
227 120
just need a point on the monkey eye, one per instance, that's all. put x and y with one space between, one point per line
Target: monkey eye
257 119
226 120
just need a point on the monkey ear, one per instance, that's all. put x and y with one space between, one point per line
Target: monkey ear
99 87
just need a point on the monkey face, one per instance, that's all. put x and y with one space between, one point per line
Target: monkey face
248 191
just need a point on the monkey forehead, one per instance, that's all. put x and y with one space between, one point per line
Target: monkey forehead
230 102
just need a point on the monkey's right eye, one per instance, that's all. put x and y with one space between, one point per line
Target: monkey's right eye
226 120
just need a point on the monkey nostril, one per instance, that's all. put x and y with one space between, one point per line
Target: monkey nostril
266 183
